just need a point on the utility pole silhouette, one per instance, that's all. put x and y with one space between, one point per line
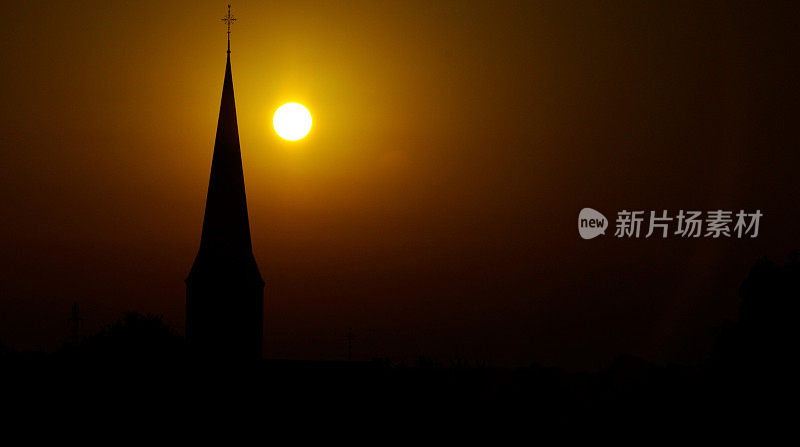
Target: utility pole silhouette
75 322
349 344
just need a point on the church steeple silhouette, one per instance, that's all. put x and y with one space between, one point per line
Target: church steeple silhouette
224 290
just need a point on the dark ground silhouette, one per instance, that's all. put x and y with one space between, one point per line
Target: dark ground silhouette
745 383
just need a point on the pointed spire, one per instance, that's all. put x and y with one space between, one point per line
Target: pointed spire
224 289
225 241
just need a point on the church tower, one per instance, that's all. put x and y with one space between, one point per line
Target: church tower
224 290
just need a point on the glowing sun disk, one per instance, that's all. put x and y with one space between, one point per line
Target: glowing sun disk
292 121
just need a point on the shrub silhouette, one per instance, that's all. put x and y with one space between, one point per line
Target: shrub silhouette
135 336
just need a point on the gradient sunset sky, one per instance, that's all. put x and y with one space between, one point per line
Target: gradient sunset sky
433 206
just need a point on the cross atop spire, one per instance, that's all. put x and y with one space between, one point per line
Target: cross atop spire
229 19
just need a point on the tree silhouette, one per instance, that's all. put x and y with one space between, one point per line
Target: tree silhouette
763 339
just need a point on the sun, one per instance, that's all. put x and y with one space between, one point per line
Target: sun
292 121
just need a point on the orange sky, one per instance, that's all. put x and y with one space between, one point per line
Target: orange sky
432 207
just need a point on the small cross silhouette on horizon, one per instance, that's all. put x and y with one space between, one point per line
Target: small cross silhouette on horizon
229 19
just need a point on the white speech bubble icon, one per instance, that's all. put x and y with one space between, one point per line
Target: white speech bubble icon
591 223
